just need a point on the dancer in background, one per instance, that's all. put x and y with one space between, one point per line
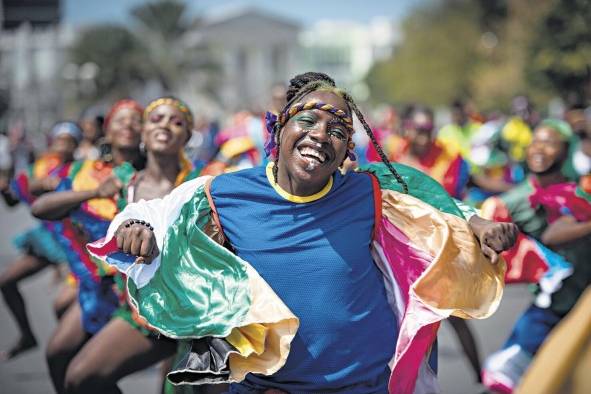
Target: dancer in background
167 125
91 122
240 144
457 136
419 149
554 216
38 246
86 201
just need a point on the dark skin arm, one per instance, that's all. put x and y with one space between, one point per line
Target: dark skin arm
40 186
494 237
565 229
57 205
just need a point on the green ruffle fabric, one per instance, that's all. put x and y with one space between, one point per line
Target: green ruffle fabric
200 288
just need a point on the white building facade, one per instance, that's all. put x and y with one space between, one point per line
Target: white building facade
255 50
347 50
252 51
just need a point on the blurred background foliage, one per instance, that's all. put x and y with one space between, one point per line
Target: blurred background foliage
489 50
149 48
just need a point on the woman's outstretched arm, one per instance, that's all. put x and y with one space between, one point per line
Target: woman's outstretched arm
57 205
565 229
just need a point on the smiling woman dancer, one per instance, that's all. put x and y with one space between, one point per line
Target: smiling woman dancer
97 368
325 279
554 217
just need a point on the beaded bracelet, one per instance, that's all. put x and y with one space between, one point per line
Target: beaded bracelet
142 222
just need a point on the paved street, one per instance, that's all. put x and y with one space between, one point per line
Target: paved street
28 373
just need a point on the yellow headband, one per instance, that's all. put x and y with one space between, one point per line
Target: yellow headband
172 102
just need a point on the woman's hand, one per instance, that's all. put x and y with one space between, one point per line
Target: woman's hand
50 183
39 186
494 237
136 237
109 187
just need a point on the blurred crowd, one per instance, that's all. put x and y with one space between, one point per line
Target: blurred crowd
491 146
518 166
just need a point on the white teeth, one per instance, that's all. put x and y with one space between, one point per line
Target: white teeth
314 153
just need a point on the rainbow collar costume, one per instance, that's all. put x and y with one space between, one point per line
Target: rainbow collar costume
87 223
447 168
308 295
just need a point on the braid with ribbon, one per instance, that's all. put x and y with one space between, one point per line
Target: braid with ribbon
375 143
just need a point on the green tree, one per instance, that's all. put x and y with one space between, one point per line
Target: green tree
166 19
559 58
489 50
161 26
154 47
438 51
164 28
118 55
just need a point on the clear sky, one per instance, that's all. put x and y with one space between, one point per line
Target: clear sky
82 12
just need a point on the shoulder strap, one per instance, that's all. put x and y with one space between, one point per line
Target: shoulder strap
214 212
377 201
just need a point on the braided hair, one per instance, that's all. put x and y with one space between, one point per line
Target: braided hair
304 84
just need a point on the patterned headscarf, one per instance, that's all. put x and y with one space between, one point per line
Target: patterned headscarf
274 122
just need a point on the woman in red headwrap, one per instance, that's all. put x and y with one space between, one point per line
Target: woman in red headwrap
167 126
84 203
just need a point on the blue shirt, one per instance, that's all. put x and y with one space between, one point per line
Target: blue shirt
316 257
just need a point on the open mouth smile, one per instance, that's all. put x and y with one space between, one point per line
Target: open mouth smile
312 154
162 136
